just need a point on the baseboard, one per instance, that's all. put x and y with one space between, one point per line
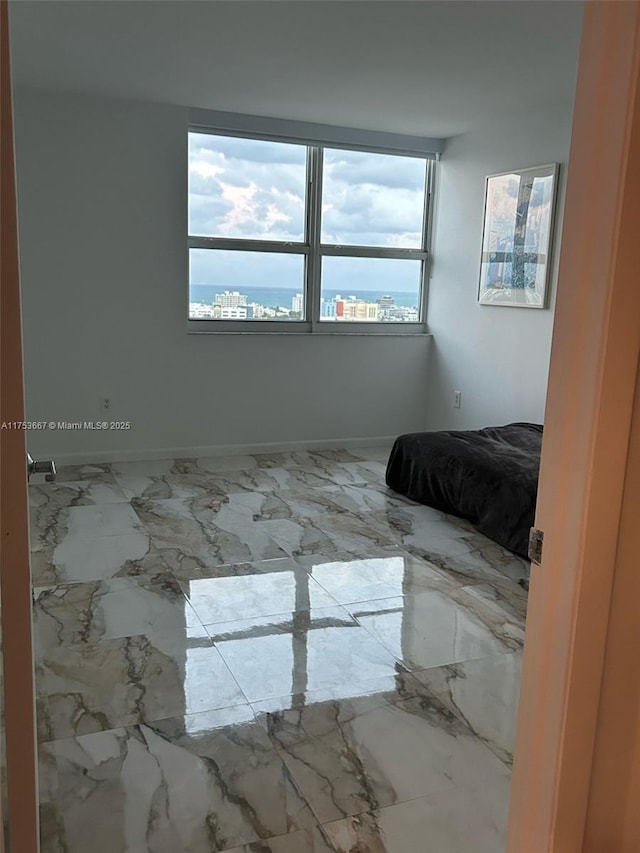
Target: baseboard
141 454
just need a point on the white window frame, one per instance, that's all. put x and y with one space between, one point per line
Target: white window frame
316 139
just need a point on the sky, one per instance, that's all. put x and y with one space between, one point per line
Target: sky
254 189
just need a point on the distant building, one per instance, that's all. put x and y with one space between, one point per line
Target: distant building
358 309
236 313
257 311
200 311
230 299
386 301
233 305
328 308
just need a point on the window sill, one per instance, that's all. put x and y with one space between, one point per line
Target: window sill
282 329
354 334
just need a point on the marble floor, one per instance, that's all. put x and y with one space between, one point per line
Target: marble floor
269 654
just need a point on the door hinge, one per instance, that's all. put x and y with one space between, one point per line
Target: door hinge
536 538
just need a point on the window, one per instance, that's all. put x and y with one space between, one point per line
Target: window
298 237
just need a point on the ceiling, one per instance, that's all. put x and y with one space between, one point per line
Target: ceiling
426 67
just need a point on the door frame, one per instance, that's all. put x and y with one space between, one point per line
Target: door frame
596 343
15 573
592 380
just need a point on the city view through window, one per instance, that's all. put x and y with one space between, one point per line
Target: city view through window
245 193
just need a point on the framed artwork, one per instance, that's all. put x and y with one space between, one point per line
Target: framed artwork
517 236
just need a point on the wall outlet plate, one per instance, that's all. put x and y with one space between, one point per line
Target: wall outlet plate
457 399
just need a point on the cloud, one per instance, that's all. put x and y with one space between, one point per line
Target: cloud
251 189
236 191
382 217
373 199
248 150
382 170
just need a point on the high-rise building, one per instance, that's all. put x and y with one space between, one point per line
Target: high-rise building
358 309
328 308
230 299
297 303
386 302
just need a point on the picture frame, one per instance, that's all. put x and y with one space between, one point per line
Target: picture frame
517 237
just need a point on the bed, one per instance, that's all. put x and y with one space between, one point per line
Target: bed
488 476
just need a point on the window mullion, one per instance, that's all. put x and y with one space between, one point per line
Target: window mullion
427 224
314 198
371 252
247 245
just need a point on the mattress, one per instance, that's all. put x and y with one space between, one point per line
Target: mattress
487 476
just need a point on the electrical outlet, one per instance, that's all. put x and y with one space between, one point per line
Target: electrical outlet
105 404
457 399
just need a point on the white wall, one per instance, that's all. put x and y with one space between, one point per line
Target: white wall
498 357
102 214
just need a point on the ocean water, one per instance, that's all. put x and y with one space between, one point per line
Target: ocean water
275 297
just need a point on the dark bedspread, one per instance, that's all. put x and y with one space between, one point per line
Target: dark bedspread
488 476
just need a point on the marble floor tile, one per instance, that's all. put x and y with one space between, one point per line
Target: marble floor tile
186 534
293 501
93 687
307 476
60 556
292 623
223 599
186 478
448 542
113 608
94 472
310 470
309 461
374 756
502 596
424 527
61 511
227 599
459 820
292 718
374 453
387 574
312 840
436 628
324 649
199 783
52 497
363 500
284 459
227 570
163 479
269 479
485 694
335 455
368 471
91 522
328 533
236 462
355 473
